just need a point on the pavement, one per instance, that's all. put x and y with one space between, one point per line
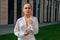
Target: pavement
5 29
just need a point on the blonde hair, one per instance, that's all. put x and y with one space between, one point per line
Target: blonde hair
28 3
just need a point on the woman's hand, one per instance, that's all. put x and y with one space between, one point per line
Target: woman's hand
26 32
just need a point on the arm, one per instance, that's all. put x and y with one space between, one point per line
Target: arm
33 27
17 31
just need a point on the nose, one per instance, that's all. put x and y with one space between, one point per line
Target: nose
28 9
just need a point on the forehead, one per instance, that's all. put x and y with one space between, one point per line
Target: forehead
27 5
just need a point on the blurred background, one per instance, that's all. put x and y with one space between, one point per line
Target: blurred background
47 12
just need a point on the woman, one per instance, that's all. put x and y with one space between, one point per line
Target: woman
27 25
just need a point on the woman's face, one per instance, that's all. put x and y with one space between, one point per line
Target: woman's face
27 9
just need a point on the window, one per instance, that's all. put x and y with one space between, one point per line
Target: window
39 11
27 0
19 6
34 7
10 11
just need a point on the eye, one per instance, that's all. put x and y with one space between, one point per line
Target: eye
29 8
25 7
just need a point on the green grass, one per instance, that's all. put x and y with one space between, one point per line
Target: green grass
50 32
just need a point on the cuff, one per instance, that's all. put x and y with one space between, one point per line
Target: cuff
30 28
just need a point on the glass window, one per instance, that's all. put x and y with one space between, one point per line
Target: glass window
10 11
39 11
34 7
27 0
19 6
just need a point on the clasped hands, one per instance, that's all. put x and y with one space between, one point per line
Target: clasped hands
28 21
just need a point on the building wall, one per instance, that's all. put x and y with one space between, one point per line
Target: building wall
15 11
45 15
59 13
4 12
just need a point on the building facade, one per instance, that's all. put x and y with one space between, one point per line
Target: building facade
44 10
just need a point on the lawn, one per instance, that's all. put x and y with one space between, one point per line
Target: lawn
50 32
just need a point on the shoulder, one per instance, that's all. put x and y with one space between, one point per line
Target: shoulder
34 17
20 19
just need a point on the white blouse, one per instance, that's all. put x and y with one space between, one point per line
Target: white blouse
21 26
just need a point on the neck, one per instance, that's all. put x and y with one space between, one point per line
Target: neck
27 16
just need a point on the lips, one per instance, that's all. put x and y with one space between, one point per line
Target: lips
27 11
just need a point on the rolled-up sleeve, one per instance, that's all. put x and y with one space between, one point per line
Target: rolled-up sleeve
34 27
